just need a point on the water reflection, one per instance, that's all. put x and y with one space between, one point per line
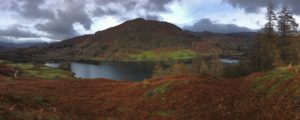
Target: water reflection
110 70
133 71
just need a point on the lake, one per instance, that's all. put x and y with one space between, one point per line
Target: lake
229 61
110 70
132 71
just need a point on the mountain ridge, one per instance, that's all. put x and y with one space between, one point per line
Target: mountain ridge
133 40
119 42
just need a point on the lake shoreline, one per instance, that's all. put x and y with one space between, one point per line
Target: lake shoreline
98 61
118 71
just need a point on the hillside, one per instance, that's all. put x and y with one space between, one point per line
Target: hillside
138 40
230 44
121 42
266 96
2 48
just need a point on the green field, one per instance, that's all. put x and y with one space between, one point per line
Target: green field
183 54
39 71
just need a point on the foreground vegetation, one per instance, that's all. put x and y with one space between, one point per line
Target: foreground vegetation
269 95
177 91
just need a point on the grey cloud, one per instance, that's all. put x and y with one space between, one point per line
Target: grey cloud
151 17
6 39
130 5
31 9
257 23
58 22
16 32
255 5
62 26
22 40
101 12
158 5
208 25
8 5
103 8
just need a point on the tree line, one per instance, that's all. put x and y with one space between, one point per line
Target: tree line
277 43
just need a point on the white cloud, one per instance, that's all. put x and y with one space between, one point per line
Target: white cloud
188 12
99 23
76 17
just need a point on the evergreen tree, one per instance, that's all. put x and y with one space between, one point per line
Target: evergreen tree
270 25
203 67
216 67
266 54
159 71
287 28
200 66
287 25
179 69
211 66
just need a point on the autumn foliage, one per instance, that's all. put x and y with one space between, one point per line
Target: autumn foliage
178 98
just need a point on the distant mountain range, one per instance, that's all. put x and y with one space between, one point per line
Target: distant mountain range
134 37
4 46
207 34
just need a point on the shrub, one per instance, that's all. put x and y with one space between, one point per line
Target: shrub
200 66
104 47
160 90
237 70
179 69
210 66
6 70
216 68
159 71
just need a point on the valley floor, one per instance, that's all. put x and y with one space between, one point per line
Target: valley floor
186 97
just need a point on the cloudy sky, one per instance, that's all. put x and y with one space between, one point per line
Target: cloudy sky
55 20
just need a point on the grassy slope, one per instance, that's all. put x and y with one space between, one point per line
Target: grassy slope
40 72
178 97
151 55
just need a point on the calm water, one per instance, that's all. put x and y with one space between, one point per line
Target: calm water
229 61
115 70
110 70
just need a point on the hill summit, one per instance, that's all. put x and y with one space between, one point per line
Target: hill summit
120 42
